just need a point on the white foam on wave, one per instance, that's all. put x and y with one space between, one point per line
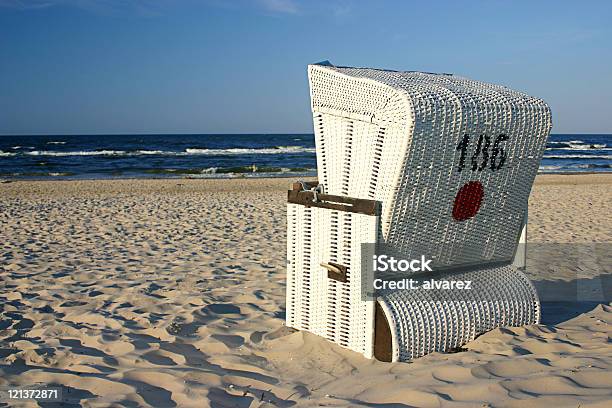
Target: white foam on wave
573 167
77 153
550 168
581 146
6 154
56 142
187 152
579 156
569 149
213 172
153 152
276 150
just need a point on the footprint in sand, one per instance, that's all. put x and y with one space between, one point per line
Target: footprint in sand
221 308
230 340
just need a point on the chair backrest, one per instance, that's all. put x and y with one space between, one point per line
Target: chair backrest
452 160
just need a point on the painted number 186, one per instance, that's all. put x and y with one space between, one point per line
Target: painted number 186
481 157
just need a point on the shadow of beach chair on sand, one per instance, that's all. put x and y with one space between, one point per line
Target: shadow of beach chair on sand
413 164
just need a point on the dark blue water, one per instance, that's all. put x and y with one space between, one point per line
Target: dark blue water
577 153
125 156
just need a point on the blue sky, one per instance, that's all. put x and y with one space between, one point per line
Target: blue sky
135 66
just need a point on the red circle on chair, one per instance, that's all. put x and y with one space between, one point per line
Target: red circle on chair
468 201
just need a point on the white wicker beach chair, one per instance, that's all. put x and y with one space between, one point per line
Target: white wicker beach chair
427 164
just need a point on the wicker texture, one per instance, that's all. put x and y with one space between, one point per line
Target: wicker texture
331 309
392 136
424 321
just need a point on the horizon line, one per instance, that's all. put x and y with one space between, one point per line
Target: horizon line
217 134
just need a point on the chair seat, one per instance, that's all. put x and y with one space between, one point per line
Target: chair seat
422 321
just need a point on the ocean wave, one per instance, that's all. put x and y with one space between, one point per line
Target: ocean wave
592 146
77 153
103 153
575 145
6 154
39 174
232 151
152 152
187 152
569 149
579 156
230 170
550 168
574 167
592 166
56 142
568 146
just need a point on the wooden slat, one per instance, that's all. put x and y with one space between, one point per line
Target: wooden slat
333 202
383 343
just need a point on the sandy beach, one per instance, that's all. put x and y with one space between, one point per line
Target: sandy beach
171 293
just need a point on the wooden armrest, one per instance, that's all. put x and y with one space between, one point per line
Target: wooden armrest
333 202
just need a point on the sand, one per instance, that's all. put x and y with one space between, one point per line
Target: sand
171 293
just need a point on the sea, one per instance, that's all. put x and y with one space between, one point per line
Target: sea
224 156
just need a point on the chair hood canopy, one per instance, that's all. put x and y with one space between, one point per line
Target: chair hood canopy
452 160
